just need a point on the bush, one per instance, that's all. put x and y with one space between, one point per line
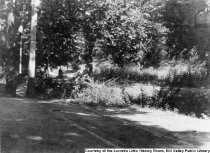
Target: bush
164 98
188 73
140 94
104 95
13 79
60 88
186 101
192 102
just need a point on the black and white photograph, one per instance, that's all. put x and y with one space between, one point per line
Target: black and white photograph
104 76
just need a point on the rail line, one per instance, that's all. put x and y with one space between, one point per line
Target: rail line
107 142
117 119
90 132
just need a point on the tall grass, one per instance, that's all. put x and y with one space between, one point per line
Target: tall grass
182 73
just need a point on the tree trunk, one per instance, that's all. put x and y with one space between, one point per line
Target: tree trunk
32 53
89 59
90 42
10 87
30 88
21 49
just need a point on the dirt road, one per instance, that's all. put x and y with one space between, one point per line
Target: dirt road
40 127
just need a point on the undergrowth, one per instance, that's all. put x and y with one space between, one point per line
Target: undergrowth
193 102
160 88
183 73
103 95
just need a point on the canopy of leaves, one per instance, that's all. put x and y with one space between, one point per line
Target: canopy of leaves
129 33
56 25
139 31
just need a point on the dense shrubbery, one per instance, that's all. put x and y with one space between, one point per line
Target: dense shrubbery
61 88
50 88
103 95
188 73
13 80
194 102
167 95
190 102
185 101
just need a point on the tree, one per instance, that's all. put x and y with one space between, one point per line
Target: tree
129 32
56 31
92 15
13 14
179 17
70 35
32 53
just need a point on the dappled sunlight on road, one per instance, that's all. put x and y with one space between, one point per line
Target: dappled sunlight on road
168 120
183 128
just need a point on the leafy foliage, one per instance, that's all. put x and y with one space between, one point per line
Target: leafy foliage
129 33
144 32
61 87
179 17
57 24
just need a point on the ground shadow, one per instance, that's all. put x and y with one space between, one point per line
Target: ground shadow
33 128
127 133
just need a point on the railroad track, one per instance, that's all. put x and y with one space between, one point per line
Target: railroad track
111 144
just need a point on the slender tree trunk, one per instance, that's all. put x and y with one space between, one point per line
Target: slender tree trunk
32 52
89 59
90 41
10 87
21 49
